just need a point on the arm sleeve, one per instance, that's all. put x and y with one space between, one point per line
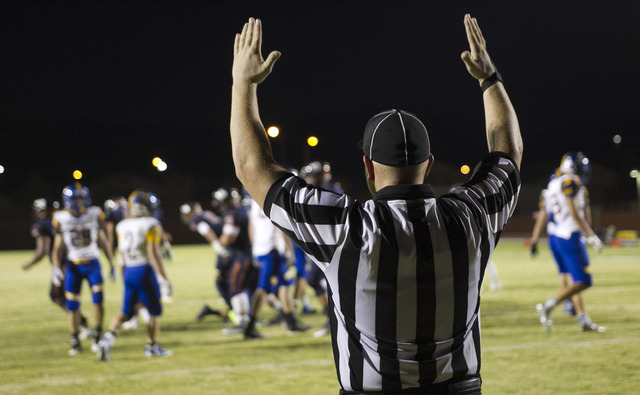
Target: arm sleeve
203 228
492 192
314 218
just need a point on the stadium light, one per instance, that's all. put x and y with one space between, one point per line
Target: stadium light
617 139
312 141
273 132
77 175
1 169
162 166
156 161
465 169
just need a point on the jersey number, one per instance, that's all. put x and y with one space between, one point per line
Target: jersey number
81 238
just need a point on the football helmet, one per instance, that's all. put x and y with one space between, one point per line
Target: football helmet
585 171
76 198
114 203
39 205
576 163
39 208
223 194
186 209
143 203
312 168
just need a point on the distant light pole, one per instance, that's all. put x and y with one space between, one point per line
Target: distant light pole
636 174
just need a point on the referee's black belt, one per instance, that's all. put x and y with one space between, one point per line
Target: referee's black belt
470 385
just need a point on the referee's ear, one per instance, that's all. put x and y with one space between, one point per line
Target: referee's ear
429 164
368 167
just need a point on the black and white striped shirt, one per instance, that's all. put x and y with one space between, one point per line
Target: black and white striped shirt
404 271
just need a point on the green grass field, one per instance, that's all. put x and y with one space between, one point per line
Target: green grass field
519 357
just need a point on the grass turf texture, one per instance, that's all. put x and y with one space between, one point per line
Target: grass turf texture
519 357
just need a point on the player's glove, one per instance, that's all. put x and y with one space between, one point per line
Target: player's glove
57 277
219 249
534 250
595 242
166 290
112 273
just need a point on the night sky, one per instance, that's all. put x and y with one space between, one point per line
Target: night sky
104 87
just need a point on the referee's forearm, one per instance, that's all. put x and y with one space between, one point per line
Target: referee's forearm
503 130
252 156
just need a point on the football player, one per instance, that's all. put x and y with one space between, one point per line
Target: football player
79 231
209 226
565 200
540 220
139 245
235 261
115 210
44 232
269 248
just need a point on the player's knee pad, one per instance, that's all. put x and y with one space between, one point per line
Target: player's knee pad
97 297
73 305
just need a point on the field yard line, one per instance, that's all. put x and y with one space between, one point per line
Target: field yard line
79 380
561 345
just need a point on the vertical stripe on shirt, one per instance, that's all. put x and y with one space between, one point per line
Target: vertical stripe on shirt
386 299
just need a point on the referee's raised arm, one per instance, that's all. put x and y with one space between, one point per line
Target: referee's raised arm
252 156
503 131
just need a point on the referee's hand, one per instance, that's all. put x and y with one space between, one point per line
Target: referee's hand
248 64
477 58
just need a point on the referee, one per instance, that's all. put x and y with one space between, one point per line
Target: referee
404 269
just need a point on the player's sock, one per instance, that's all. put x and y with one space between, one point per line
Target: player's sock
551 303
584 319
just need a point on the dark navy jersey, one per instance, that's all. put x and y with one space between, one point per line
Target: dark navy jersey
214 222
115 215
238 217
42 228
158 214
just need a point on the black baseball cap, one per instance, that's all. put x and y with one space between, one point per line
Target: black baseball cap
395 138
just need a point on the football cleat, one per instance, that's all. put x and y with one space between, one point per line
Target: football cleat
76 347
104 351
326 329
236 330
308 310
545 316
75 350
253 333
156 350
85 332
591 327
